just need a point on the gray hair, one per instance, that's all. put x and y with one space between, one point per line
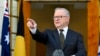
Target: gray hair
66 10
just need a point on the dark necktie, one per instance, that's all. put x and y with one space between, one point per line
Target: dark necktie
61 37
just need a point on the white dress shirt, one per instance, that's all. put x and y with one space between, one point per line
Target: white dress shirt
64 32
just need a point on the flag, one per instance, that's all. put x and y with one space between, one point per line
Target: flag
19 49
5 41
99 50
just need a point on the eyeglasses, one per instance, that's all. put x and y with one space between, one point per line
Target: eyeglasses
59 17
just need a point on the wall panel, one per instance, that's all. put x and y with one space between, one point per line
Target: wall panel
93 28
27 11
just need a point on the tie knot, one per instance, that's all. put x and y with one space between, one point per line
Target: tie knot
61 30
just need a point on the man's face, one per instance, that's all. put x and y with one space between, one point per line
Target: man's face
60 19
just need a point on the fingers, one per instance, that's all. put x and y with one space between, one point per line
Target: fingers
31 23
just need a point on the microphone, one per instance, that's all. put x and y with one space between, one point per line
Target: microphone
58 52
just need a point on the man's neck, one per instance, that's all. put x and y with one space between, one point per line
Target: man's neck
62 27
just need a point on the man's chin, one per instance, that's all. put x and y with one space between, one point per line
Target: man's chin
58 27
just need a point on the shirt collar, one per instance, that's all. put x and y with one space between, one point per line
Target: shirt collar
65 31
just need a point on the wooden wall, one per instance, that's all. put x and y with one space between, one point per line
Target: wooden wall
93 27
56 0
27 12
99 17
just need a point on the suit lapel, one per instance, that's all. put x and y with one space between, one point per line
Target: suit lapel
56 37
68 37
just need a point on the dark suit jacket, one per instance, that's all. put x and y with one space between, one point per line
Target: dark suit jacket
73 44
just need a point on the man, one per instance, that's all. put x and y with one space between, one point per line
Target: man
61 41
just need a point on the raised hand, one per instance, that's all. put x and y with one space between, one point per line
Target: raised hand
31 24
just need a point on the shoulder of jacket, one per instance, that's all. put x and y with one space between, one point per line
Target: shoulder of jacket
74 32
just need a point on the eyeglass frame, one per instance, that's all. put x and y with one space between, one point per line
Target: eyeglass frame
58 17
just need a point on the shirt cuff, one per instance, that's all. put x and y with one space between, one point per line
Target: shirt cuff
33 31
